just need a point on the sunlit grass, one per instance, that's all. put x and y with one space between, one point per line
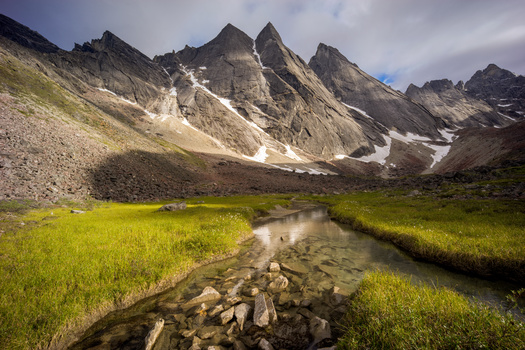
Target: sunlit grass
484 236
61 266
388 312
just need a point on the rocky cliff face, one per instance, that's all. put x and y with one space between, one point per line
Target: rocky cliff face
454 105
24 36
111 64
264 94
501 89
359 90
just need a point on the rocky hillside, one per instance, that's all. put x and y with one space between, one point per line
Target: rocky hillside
453 105
236 115
501 89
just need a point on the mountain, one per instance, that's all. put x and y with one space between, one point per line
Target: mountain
453 105
500 88
265 94
105 121
359 90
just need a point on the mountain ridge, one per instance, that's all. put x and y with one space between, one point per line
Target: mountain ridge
253 100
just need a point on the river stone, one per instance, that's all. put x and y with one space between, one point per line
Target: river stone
261 317
227 315
320 329
208 332
188 333
295 268
337 296
173 206
216 310
278 285
241 313
208 295
238 345
153 334
264 345
274 267
271 310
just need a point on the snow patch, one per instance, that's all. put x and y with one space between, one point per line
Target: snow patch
224 101
507 105
150 114
357 110
203 68
120 97
506 116
448 134
409 138
258 57
439 152
168 74
380 153
315 172
291 154
173 92
260 156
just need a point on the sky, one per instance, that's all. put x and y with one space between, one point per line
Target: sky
397 41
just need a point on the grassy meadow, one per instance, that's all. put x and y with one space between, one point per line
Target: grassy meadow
390 312
484 236
57 267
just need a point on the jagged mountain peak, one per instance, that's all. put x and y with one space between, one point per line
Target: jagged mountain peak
24 36
230 38
269 33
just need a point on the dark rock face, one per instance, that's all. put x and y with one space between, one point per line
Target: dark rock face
278 95
454 105
500 88
110 63
357 89
24 36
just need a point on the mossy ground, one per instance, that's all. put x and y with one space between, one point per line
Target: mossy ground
59 266
390 312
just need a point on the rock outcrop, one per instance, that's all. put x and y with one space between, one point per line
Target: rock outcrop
380 102
500 88
264 94
454 106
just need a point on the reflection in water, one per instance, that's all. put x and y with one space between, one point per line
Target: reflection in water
332 254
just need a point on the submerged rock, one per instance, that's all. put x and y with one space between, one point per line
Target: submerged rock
153 334
208 295
278 285
241 313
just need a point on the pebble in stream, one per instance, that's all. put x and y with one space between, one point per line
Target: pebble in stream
274 310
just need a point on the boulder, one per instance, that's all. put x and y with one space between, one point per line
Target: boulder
241 313
77 212
173 206
227 315
251 292
320 329
274 267
261 316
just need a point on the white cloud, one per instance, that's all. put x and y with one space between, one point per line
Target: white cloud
412 41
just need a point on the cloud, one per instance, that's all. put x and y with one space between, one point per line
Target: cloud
408 41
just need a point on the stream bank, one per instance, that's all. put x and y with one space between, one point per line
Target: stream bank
319 263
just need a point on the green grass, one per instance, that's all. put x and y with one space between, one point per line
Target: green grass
388 312
64 266
482 236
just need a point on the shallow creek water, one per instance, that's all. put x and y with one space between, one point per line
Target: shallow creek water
321 254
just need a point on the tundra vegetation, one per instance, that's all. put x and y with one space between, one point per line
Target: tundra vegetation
57 267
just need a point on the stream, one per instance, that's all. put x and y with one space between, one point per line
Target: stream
313 253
